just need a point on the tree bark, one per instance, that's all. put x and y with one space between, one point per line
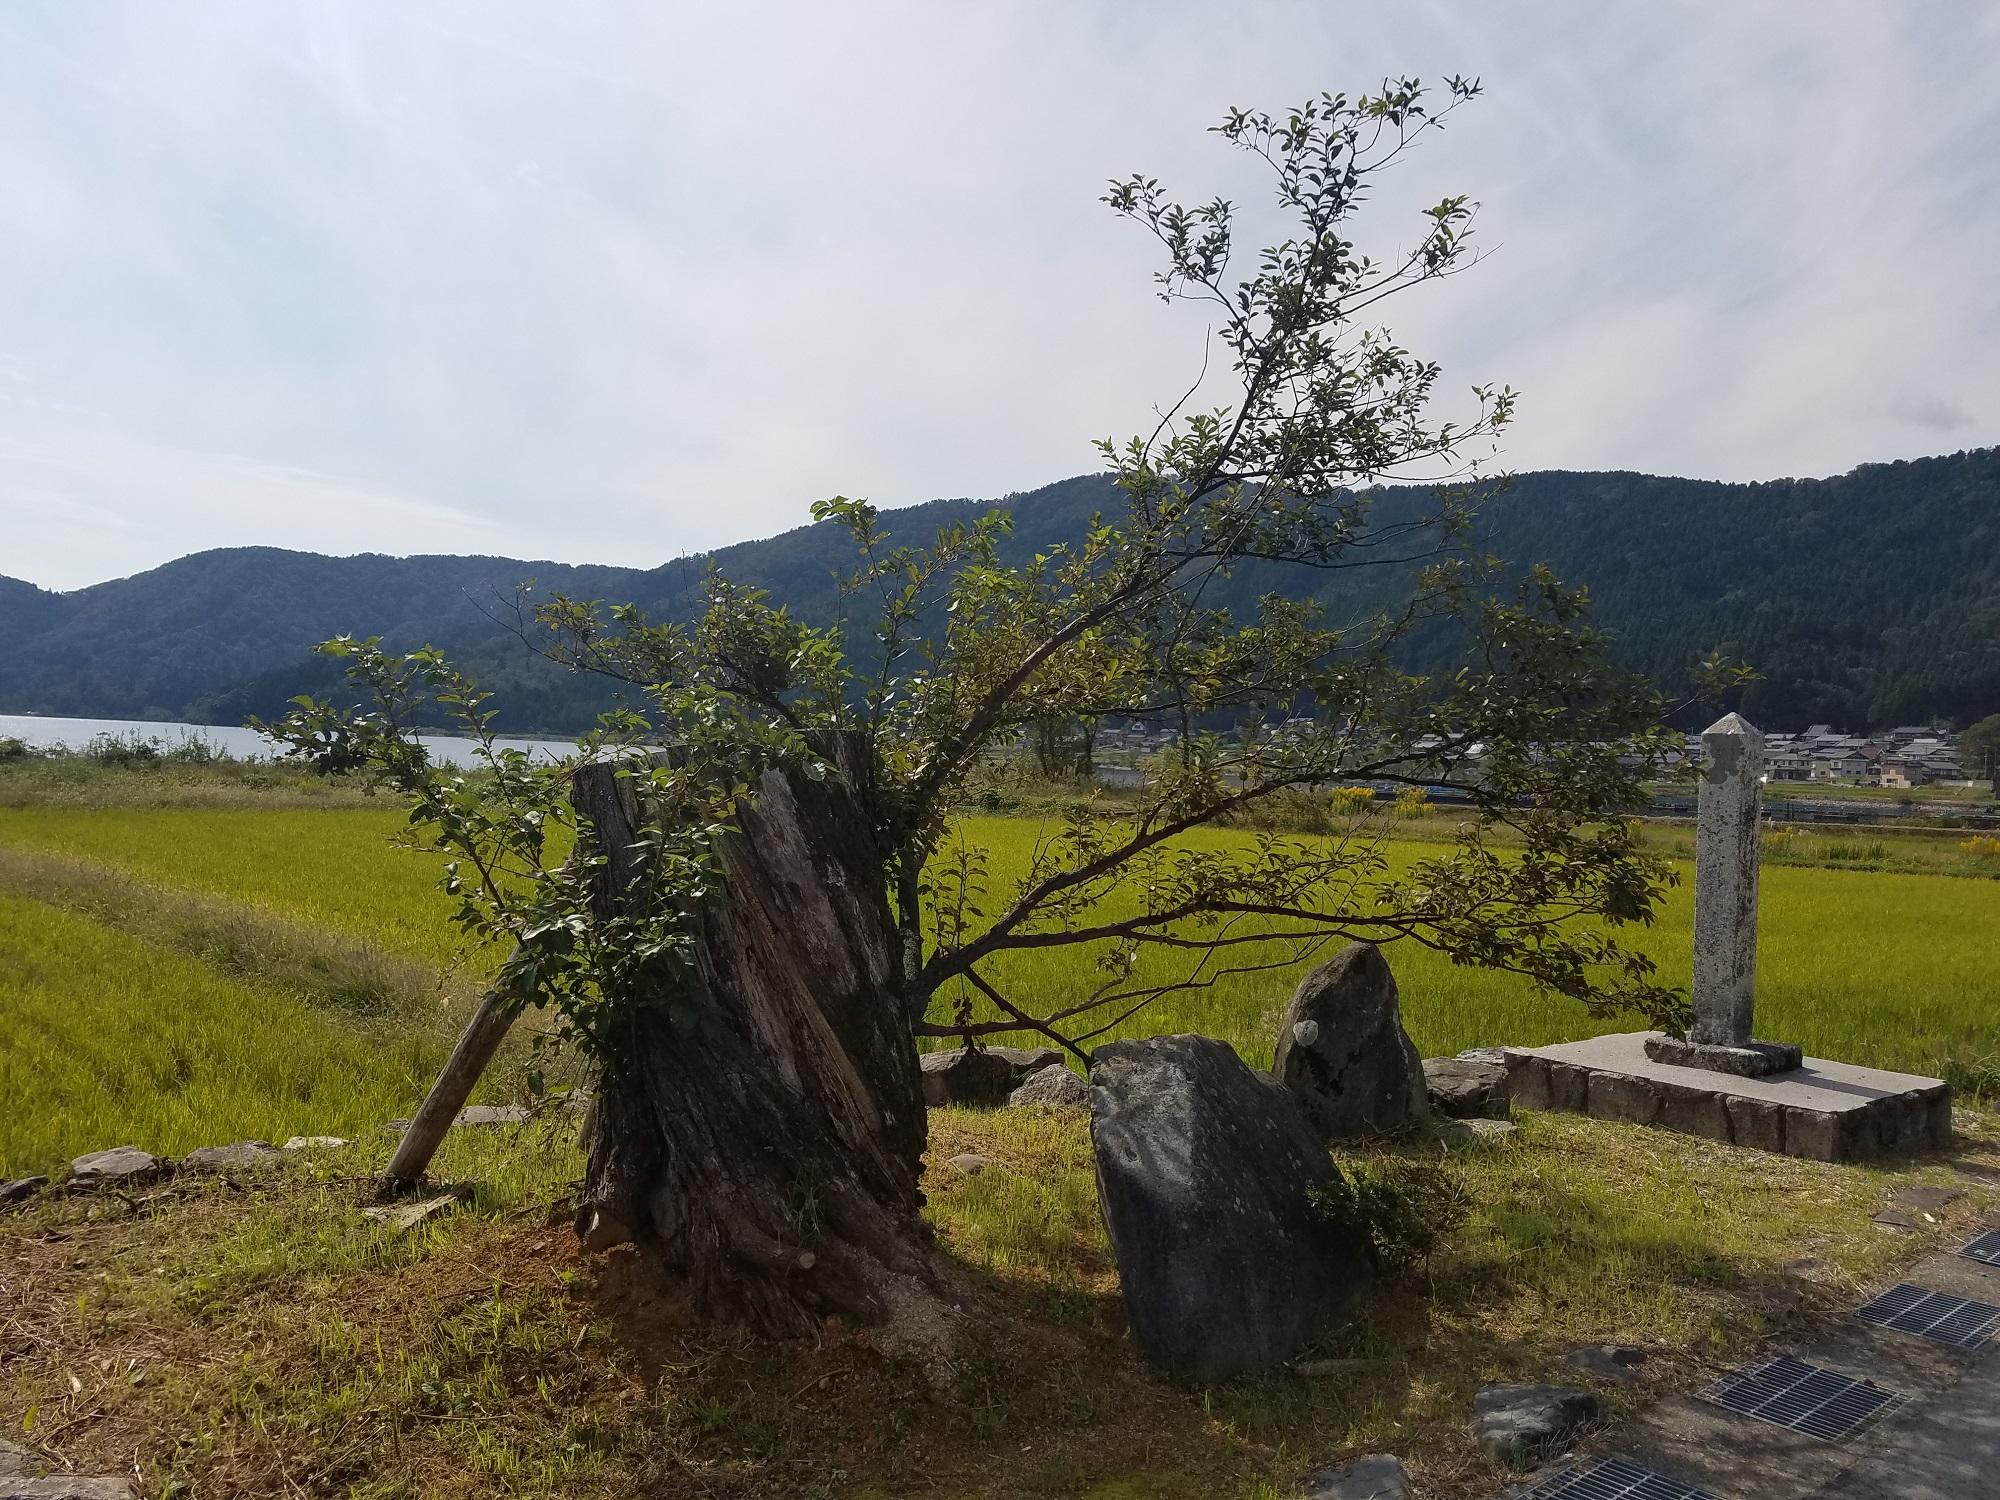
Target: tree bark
771 1152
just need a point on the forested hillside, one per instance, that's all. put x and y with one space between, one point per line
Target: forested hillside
1867 599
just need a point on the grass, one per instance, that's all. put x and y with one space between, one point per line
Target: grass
1892 848
170 781
262 1338
345 871
1891 970
110 1040
1980 795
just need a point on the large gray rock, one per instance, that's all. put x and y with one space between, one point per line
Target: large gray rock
1519 1424
1343 1051
1053 1087
1204 1171
982 1077
1468 1086
119 1164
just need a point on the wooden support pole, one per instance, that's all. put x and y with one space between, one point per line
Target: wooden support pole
607 812
475 1049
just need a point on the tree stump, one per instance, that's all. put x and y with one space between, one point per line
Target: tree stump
771 1152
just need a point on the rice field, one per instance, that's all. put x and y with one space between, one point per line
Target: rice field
108 1040
1895 970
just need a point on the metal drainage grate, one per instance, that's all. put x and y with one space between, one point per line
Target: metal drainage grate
1790 1393
1985 1248
1612 1479
1958 1321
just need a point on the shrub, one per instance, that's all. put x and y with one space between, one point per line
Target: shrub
1985 846
127 749
1405 1209
197 750
1353 799
14 749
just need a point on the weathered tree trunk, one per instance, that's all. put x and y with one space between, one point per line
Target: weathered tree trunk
771 1153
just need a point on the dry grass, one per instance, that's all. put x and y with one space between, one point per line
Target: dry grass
265 1340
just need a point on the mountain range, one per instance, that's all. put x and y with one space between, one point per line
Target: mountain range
1864 600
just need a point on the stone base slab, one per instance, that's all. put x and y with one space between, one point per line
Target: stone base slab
1751 1060
1823 1111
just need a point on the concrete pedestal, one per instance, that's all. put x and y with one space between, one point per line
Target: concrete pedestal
1751 1060
1823 1111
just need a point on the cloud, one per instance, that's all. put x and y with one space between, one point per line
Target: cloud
618 281
1934 412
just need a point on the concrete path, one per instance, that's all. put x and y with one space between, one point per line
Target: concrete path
1941 1443
1951 1451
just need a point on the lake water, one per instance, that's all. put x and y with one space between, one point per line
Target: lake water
75 734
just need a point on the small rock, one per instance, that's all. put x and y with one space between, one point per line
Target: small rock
1464 1087
1053 1087
1379 1476
119 1164
600 1231
1343 1053
314 1143
1806 1267
981 1077
1614 1362
396 1127
1924 1199
493 1114
1520 1424
403 1216
21 1189
969 1163
1476 1132
1895 1218
236 1157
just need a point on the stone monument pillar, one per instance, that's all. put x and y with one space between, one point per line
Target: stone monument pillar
1725 911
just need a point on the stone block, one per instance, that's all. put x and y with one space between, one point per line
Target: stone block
1751 1060
1569 1088
1821 1111
1614 1096
1756 1123
1528 1080
1694 1111
1462 1087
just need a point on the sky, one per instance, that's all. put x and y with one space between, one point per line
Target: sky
616 282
